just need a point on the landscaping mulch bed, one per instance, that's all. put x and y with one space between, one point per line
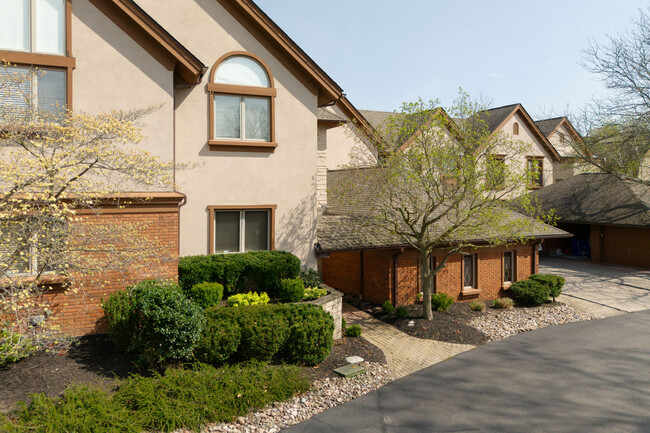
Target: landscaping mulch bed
93 360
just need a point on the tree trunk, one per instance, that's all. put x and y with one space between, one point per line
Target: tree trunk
426 284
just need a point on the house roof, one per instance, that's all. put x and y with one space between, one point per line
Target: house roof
153 38
598 198
347 221
548 126
496 118
326 115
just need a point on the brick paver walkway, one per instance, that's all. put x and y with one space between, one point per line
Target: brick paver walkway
404 354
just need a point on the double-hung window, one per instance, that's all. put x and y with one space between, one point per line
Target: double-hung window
535 171
240 230
469 271
508 267
35 40
241 104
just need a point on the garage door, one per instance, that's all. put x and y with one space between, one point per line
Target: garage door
626 246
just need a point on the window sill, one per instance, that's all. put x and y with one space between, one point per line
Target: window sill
535 186
470 291
242 146
27 58
506 285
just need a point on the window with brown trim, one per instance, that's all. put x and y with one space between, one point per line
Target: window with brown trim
235 229
35 38
496 171
242 104
509 259
469 271
535 165
515 129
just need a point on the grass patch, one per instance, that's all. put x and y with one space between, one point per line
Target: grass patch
180 398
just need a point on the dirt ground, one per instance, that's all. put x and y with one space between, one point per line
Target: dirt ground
92 360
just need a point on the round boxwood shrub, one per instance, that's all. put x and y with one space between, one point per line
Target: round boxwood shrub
156 321
291 290
554 283
263 331
530 292
310 335
120 315
401 312
353 331
387 307
206 295
441 301
220 337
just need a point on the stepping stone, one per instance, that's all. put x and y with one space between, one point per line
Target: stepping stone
354 359
349 370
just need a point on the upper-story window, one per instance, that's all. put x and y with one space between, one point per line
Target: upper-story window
515 129
241 104
36 26
535 165
35 39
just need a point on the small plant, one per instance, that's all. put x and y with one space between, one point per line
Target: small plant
419 298
310 277
401 312
14 347
353 331
387 307
206 295
344 324
554 283
291 290
250 298
312 293
441 301
530 292
502 303
477 305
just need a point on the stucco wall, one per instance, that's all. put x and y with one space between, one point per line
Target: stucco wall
114 72
286 178
346 148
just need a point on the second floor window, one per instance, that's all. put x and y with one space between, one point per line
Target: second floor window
36 26
242 104
536 171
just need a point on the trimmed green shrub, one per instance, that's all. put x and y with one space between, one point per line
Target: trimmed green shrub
387 307
191 398
441 301
14 347
530 292
205 295
477 305
81 409
263 330
344 324
353 331
155 321
220 338
250 298
312 293
291 290
263 268
310 277
502 303
554 283
310 336
401 312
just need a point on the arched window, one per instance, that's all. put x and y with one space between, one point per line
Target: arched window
242 102
515 129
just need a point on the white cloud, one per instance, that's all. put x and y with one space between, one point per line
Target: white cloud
495 75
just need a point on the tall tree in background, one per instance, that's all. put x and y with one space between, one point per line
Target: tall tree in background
618 138
443 185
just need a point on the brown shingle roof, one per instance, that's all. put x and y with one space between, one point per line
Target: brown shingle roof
327 116
598 198
547 126
347 222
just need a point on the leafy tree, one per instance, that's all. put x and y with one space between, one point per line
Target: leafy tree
441 187
56 166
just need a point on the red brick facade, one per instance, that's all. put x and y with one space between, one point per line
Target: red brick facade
79 312
343 271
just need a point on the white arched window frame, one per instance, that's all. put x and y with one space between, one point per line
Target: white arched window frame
242 104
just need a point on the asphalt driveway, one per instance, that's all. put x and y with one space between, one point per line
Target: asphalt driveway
617 287
581 377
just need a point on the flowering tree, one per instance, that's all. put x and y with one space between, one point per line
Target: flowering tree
56 165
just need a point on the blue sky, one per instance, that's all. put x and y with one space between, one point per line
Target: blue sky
383 53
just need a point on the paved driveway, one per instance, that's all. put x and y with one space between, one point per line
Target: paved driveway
621 288
581 377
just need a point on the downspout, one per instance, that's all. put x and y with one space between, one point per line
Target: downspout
395 280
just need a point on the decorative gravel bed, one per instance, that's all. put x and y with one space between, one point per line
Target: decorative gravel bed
325 393
499 324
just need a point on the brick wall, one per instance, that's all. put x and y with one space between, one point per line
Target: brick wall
78 312
377 276
343 272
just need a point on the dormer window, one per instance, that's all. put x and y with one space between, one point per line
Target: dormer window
515 129
241 104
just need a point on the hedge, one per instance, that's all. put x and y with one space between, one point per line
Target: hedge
554 283
530 292
291 290
206 295
297 333
263 268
